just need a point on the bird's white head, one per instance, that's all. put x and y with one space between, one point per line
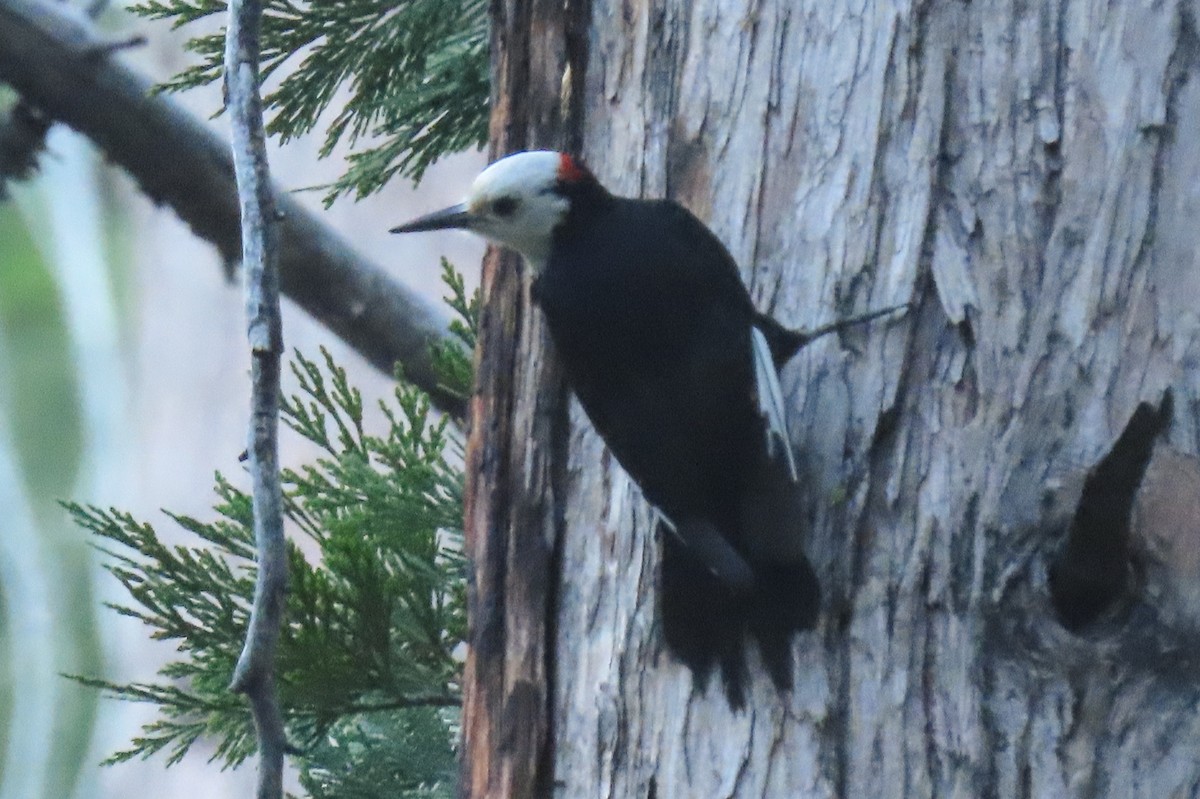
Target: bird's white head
516 202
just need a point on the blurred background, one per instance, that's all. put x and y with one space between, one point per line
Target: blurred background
123 382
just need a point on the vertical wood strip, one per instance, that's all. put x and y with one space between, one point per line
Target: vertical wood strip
517 437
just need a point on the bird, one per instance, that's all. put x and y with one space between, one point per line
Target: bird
677 371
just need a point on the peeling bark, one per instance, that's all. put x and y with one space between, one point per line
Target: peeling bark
513 501
1024 173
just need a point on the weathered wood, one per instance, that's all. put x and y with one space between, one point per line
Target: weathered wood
1025 173
254 674
1007 166
514 453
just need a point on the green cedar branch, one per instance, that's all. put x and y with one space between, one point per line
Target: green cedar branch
254 674
419 91
56 62
374 620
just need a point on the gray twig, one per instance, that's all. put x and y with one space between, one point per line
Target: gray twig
103 49
49 56
255 671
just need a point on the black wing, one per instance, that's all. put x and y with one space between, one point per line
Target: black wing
655 330
652 323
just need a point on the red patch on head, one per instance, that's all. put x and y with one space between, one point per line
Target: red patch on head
571 171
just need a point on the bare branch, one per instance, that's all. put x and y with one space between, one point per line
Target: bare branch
108 48
255 671
405 703
57 63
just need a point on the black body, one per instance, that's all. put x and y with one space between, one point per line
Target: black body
653 327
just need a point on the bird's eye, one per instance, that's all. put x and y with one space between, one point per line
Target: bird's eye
505 206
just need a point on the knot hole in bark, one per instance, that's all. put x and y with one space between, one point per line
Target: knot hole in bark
1091 572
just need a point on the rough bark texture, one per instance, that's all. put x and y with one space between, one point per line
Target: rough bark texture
1026 173
514 458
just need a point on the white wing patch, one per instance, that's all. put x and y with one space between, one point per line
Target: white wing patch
770 400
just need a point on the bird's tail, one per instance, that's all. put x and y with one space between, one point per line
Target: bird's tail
786 600
703 619
707 622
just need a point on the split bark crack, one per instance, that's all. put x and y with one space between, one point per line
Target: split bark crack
254 674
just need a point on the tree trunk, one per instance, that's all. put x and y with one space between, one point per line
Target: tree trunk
1025 173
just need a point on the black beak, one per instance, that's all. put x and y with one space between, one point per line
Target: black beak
456 216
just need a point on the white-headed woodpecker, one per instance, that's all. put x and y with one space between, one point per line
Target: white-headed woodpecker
661 343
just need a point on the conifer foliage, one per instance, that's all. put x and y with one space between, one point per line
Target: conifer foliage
369 659
370 655
416 73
